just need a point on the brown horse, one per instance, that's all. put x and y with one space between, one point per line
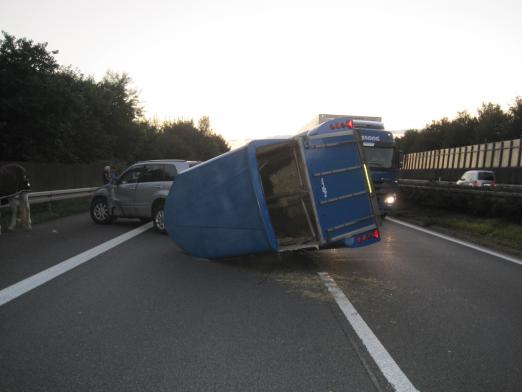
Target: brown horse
14 188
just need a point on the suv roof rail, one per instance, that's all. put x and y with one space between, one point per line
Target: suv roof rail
162 160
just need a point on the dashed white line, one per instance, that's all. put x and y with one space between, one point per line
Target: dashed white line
379 354
460 242
22 287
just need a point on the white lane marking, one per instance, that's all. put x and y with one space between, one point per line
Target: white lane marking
22 287
379 354
460 242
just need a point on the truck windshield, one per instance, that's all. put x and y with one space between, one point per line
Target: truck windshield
381 157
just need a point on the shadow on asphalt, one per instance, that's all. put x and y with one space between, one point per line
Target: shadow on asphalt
298 261
296 271
122 222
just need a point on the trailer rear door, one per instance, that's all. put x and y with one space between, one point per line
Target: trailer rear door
343 198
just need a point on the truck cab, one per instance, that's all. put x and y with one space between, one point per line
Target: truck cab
382 156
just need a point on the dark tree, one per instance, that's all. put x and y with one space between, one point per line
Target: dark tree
492 124
55 114
515 113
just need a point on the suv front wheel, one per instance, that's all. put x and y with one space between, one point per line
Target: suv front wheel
158 217
100 211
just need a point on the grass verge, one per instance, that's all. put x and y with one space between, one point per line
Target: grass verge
48 211
493 233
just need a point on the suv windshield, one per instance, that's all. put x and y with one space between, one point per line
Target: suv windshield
381 157
131 176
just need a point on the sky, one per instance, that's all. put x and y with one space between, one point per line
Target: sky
263 68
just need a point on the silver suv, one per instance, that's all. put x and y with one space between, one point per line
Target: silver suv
139 192
477 179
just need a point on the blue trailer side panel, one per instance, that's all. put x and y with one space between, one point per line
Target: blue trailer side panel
217 209
312 190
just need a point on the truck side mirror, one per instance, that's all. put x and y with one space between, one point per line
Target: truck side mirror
401 158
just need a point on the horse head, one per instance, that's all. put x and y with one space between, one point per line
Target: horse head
13 179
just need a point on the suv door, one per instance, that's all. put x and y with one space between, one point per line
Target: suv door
171 171
153 180
124 191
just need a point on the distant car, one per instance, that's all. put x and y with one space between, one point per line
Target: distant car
139 192
477 179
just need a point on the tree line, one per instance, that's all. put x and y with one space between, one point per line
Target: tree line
491 124
53 113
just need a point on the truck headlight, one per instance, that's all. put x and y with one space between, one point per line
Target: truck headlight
389 200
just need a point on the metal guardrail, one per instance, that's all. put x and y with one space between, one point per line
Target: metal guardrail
500 190
63 194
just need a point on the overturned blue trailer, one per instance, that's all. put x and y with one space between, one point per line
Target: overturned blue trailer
309 191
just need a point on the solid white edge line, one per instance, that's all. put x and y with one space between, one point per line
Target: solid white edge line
389 368
22 287
460 242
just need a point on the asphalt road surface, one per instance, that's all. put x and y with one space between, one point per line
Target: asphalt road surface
144 316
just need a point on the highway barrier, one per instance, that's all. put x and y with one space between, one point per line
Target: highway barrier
63 194
500 201
500 190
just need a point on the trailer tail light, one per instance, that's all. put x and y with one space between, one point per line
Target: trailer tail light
361 239
343 124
